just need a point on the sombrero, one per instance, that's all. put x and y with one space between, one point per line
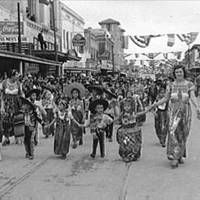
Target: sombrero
107 91
67 90
37 91
26 101
98 89
96 102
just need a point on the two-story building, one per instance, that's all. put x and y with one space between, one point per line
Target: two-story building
117 33
35 16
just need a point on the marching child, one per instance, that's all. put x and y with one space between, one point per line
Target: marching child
30 119
98 121
129 134
62 133
161 118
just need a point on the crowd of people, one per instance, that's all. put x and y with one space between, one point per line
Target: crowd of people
64 107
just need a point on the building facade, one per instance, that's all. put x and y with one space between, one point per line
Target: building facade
117 33
35 16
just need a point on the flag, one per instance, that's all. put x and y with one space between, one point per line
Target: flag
151 55
136 55
171 40
188 38
165 55
141 41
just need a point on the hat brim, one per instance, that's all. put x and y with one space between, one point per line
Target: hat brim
36 91
94 104
67 90
27 102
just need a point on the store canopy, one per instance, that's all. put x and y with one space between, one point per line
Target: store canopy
28 58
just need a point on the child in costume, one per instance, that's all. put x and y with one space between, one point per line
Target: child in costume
129 134
98 121
30 119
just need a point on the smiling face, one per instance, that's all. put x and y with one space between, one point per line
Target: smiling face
75 93
99 109
179 74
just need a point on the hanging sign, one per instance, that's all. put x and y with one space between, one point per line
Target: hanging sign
78 40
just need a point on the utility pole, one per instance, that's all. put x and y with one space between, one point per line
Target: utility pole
19 28
54 30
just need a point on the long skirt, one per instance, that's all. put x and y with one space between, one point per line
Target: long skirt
179 127
12 106
77 131
62 138
161 121
48 119
130 142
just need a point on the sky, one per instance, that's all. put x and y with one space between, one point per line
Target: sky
144 18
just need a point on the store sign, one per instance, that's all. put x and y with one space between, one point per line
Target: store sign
78 40
104 56
10 28
46 2
31 68
12 39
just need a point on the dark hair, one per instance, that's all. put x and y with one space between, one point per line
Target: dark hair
75 89
12 72
179 67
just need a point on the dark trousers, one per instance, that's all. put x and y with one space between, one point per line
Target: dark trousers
29 140
100 139
109 131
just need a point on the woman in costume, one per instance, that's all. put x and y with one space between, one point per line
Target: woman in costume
178 95
10 105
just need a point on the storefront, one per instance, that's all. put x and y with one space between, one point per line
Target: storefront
27 64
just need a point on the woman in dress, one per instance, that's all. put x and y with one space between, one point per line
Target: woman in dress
178 95
10 105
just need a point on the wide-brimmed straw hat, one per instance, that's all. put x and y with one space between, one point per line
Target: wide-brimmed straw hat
36 91
27 102
67 90
96 102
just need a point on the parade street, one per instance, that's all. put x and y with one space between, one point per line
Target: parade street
81 177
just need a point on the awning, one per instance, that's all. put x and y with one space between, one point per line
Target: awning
28 58
72 55
62 57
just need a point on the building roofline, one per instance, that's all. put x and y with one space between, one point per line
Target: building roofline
72 12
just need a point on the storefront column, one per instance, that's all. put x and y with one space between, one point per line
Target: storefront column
21 67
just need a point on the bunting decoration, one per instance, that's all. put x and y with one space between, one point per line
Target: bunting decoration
141 41
144 41
188 38
151 55
171 40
